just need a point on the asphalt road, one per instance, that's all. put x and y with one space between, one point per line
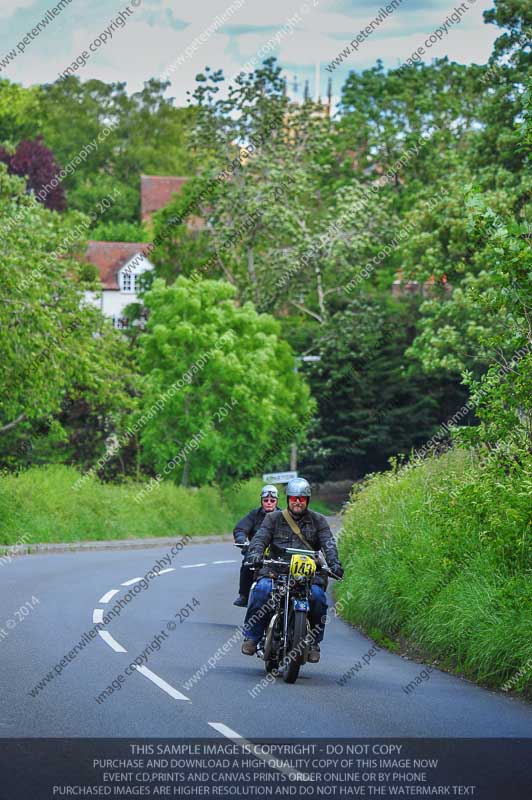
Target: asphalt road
71 592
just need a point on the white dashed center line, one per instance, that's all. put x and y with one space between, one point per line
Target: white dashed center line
241 740
132 581
97 615
162 684
107 597
108 639
228 732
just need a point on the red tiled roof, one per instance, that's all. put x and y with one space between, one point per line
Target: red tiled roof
156 192
110 257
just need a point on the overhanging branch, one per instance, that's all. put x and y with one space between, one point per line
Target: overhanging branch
14 423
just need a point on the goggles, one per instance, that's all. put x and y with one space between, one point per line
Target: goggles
301 498
269 496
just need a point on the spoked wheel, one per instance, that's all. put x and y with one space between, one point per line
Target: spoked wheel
297 631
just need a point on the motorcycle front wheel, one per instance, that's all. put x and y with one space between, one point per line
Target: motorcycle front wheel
271 657
297 630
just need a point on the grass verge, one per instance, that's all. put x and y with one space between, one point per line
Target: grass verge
40 505
439 558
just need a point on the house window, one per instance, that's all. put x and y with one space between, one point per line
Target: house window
131 283
126 280
120 322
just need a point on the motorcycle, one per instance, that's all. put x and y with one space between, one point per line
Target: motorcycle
288 637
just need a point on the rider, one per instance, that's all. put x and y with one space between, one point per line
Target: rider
275 530
245 530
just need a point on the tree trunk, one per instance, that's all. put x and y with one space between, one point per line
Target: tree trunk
186 471
319 287
186 466
252 274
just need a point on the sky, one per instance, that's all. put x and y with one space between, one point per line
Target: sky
155 36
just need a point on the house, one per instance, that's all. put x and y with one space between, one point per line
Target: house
156 192
120 265
429 288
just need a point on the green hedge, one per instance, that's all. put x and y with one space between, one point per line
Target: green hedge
440 555
40 505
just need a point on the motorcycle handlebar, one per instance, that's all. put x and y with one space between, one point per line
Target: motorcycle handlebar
266 562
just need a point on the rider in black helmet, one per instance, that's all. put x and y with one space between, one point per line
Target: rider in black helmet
245 530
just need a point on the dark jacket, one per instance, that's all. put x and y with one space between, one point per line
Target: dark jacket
249 525
275 530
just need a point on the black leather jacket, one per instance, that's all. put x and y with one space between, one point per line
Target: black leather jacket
249 525
275 530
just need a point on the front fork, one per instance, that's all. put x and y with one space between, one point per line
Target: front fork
285 619
287 600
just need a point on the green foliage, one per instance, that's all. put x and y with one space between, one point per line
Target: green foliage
490 314
40 505
52 346
371 405
122 136
20 112
266 211
440 554
234 378
386 113
120 232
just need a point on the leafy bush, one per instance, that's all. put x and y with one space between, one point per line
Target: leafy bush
439 553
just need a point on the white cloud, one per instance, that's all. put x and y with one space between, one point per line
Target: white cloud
147 45
8 7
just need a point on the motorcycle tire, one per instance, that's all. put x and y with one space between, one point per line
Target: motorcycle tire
297 633
271 661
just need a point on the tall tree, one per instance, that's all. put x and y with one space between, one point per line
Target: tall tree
371 403
53 345
220 379
36 162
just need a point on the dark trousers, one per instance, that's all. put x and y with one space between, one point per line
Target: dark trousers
246 579
258 614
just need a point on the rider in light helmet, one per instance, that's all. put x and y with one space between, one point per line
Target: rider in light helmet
244 531
277 531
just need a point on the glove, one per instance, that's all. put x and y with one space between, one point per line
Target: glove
338 570
239 538
253 560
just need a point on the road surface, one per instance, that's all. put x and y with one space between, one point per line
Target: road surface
64 595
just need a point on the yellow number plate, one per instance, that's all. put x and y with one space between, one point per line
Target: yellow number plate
302 565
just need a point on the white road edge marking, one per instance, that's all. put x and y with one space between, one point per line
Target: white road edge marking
231 561
241 740
108 639
107 597
168 569
129 583
162 684
189 566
